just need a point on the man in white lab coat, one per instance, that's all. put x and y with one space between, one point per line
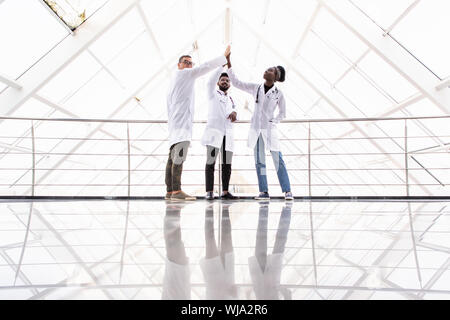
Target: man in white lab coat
263 134
177 275
219 132
180 109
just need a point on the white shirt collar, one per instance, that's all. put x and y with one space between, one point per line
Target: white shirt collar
222 93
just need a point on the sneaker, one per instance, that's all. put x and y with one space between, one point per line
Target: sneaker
181 196
288 196
228 196
168 196
263 196
209 196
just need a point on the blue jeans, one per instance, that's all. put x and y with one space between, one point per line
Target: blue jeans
280 166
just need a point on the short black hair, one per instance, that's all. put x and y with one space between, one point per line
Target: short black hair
282 73
224 74
182 57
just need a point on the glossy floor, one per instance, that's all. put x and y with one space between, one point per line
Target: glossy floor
237 250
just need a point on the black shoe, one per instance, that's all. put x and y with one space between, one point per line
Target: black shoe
228 196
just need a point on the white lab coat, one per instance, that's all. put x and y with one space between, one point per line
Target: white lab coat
219 277
267 283
176 282
181 102
220 107
263 121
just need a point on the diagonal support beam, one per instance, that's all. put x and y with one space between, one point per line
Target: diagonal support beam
149 30
62 55
389 50
171 61
9 82
306 31
445 84
324 91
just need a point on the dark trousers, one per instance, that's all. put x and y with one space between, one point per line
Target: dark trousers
174 167
211 156
226 243
175 249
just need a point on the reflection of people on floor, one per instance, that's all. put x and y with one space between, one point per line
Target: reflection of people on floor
265 270
218 264
176 283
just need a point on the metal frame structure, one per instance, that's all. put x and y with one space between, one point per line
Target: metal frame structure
112 12
401 238
9 82
311 169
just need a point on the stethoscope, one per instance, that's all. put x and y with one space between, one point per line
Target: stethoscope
232 102
257 93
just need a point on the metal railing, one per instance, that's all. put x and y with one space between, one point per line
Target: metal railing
325 157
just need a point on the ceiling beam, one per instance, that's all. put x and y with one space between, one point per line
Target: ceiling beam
171 61
306 31
69 49
9 82
443 85
56 16
149 30
403 15
389 50
324 91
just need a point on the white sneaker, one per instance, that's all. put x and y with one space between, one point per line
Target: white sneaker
288 196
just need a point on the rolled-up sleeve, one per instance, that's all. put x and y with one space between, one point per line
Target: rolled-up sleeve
205 67
244 86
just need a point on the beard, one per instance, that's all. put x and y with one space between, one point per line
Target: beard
223 88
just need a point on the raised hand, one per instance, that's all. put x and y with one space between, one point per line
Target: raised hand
233 116
229 61
227 52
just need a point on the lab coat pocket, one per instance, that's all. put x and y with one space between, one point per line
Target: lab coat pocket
274 141
274 98
274 131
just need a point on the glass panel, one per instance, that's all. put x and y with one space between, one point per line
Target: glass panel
33 109
98 99
118 37
155 8
70 79
290 15
26 35
422 108
383 12
74 12
363 95
338 36
136 64
253 11
424 32
386 77
327 62
170 35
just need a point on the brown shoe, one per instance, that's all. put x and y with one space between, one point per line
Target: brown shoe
168 196
181 196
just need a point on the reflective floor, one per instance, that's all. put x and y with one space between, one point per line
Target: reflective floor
224 250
